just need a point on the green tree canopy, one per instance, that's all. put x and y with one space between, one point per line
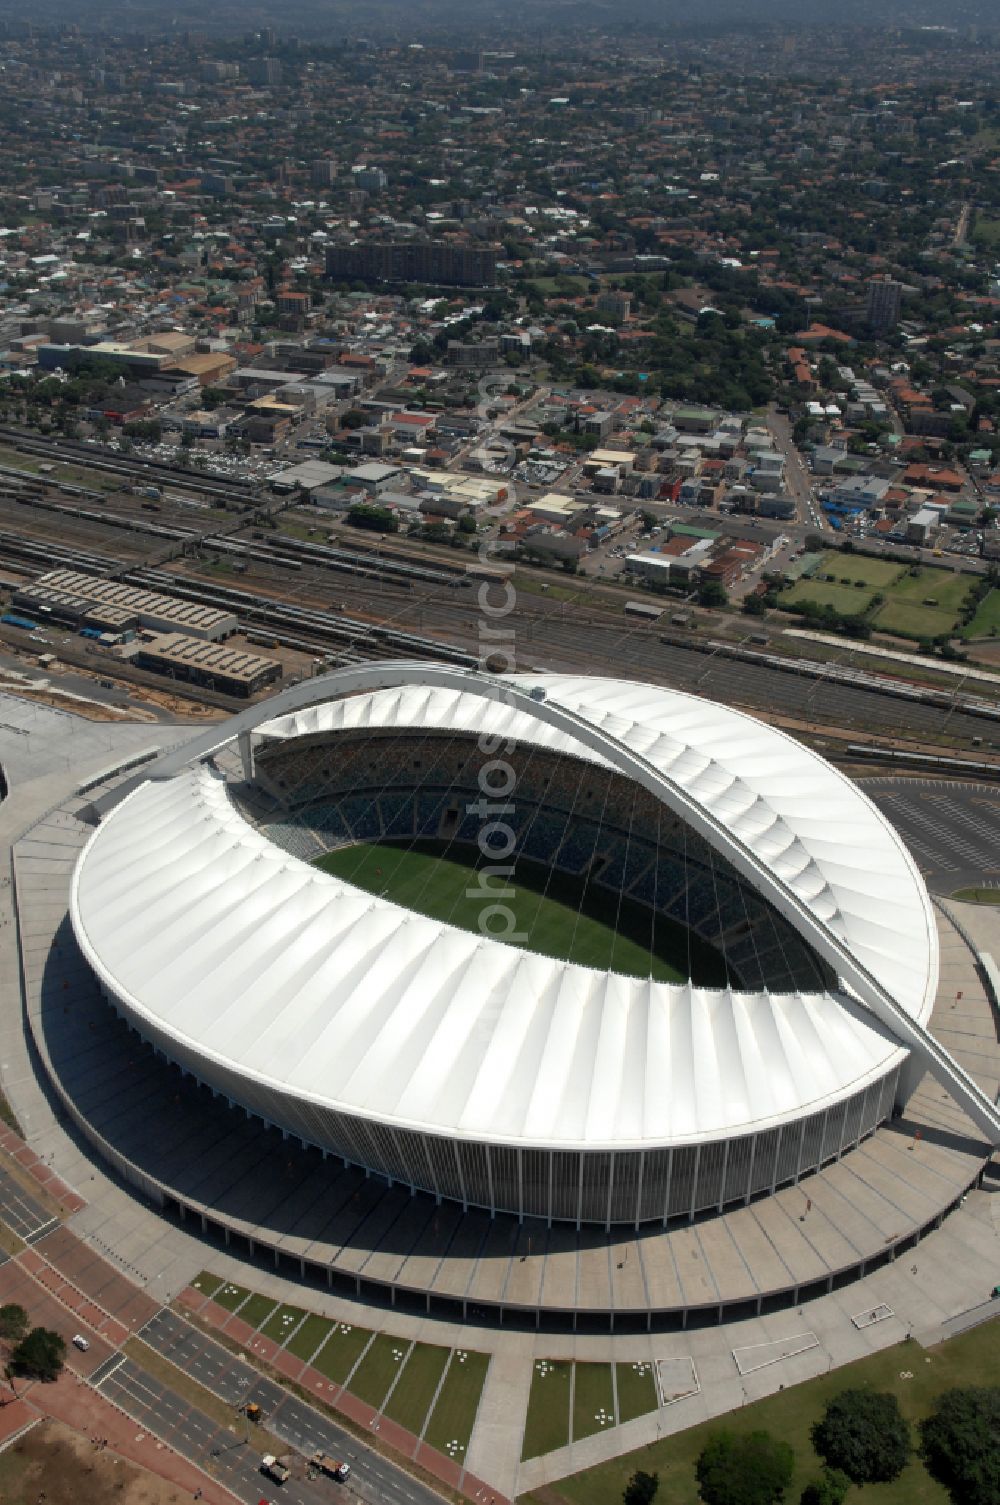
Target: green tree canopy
863 1433
751 1470
641 1488
829 1489
39 1355
961 1444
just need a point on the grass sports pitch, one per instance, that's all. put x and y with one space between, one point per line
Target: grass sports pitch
556 914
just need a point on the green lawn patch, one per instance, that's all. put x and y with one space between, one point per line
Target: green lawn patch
371 1380
986 622
848 600
879 574
450 1424
560 915
971 1358
282 1323
230 1296
547 1426
207 1283
636 1390
986 231
257 1309
308 1337
978 895
912 621
411 1400
341 1351
593 1400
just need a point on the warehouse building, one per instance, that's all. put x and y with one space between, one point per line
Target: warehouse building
74 599
212 665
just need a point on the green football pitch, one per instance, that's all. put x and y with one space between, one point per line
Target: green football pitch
554 913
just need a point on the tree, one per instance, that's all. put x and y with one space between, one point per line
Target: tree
39 1355
751 1470
863 1433
713 593
13 1322
829 1489
961 1444
641 1488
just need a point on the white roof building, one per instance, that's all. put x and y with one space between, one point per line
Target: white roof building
323 1007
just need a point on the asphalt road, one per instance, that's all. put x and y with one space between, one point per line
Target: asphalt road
300 1426
225 1452
952 829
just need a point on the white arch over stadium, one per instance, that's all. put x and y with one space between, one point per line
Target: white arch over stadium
516 694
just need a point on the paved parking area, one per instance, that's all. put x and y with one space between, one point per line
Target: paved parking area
952 829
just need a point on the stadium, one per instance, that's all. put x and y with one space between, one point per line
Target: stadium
578 949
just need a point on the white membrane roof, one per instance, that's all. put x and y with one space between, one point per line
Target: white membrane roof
258 964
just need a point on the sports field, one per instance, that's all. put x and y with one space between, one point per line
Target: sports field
555 914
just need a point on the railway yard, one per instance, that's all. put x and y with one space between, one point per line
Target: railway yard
311 593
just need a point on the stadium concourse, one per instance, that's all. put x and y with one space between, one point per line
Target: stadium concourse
518 1087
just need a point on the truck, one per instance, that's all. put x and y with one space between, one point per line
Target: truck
274 1468
331 1466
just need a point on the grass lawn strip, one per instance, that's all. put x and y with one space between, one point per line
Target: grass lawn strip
547 1426
341 1351
282 1323
971 1358
306 1340
230 1296
411 1399
378 1369
593 1400
257 1309
450 1425
978 895
207 1283
636 1386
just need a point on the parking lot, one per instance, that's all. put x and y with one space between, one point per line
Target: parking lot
952 829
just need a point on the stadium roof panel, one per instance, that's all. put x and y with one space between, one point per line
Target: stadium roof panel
243 961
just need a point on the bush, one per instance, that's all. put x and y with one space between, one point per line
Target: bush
39 1355
961 1444
863 1433
751 1470
641 1488
829 1489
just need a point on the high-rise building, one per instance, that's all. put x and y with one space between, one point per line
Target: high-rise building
323 172
371 179
264 70
884 301
433 261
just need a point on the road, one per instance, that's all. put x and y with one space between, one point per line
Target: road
225 1453
298 1425
797 478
